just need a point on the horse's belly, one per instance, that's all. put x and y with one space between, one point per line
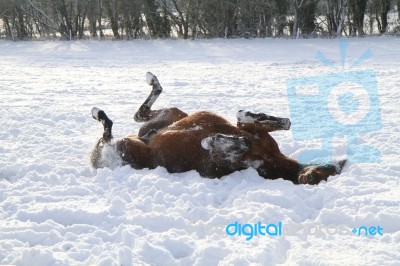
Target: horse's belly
180 152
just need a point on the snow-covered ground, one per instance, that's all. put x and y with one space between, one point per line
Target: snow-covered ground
56 210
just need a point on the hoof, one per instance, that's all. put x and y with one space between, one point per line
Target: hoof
95 113
286 123
340 165
151 79
99 115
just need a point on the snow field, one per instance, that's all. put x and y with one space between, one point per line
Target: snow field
56 210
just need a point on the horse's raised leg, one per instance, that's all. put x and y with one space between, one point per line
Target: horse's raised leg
101 116
155 119
145 113
271 123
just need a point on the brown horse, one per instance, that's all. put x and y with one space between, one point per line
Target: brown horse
204 142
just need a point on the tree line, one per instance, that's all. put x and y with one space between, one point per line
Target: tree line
131 19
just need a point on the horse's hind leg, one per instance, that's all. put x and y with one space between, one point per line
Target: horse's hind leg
155 119
271 123
145 113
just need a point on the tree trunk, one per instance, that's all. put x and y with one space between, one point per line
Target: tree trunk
8 28
22 34
113 19
384 22
398 9
357 10
295 22
381 8
297 6
341 17
383 14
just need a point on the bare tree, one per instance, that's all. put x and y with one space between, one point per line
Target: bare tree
73 19
398 9
381 9
181 13
111 7
297 5
357 12
278 11
336 13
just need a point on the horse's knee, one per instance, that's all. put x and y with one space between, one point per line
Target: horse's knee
143 114
160 119
175 114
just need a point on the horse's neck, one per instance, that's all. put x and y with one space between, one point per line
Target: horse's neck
289 169
275 164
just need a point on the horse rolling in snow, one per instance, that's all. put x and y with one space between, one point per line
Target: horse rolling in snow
204 142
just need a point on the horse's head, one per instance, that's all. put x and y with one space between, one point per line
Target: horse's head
313 174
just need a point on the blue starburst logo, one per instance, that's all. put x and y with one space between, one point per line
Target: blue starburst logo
343 103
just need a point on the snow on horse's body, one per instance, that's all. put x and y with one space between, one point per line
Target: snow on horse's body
205 142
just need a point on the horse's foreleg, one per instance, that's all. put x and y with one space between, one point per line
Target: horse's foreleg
145 113
271 123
